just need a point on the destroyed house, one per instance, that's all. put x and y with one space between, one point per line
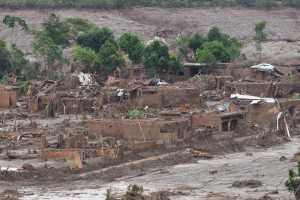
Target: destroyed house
223 122
192 69
262 89
265 114
163 96
8 96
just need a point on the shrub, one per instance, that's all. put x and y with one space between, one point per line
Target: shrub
293 182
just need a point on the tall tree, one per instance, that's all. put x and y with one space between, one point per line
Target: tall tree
133 46
95 38
109 58
12 21
158 60
46 49
260 36
57 30
87 57
4 59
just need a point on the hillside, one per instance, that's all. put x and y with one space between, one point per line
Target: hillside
282 25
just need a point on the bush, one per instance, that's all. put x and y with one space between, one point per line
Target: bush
24 88
293 183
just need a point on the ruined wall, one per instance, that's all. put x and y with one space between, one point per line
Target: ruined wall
205 120
241 73
262 113
78 105
138 129
8 98
220 80
126 129
167 96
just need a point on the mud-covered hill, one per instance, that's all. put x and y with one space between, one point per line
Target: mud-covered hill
282 24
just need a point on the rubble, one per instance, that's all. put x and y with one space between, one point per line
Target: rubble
83 125
251 183
201 82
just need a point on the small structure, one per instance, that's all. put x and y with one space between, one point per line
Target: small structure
8 97
221 121
163 96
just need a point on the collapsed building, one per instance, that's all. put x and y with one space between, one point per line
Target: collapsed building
170 114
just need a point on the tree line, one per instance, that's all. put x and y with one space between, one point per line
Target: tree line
96 50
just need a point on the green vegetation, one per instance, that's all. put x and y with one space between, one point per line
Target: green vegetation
215 47
11 60
133 46
12 21
260 36
44 48
157 59
86 57
95 38
293 182
110 59
162 3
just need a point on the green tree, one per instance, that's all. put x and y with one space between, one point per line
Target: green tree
109 58
260 36
17 60
5 65
182 44
12 21
204 56
46 49
293 182
214 34
197 41
57 30
133 46
214 48
158 60
77 26
95 38
87 57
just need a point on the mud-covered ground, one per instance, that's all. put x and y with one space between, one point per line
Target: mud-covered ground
158 169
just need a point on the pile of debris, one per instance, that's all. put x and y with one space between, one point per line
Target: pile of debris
201 82
77 85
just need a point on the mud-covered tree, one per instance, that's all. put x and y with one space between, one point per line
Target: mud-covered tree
95 38
57 30
293 182
110 59
12 21
44 48
133 46
158 60
260 36
86 57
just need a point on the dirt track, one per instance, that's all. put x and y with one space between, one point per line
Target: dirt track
169 23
